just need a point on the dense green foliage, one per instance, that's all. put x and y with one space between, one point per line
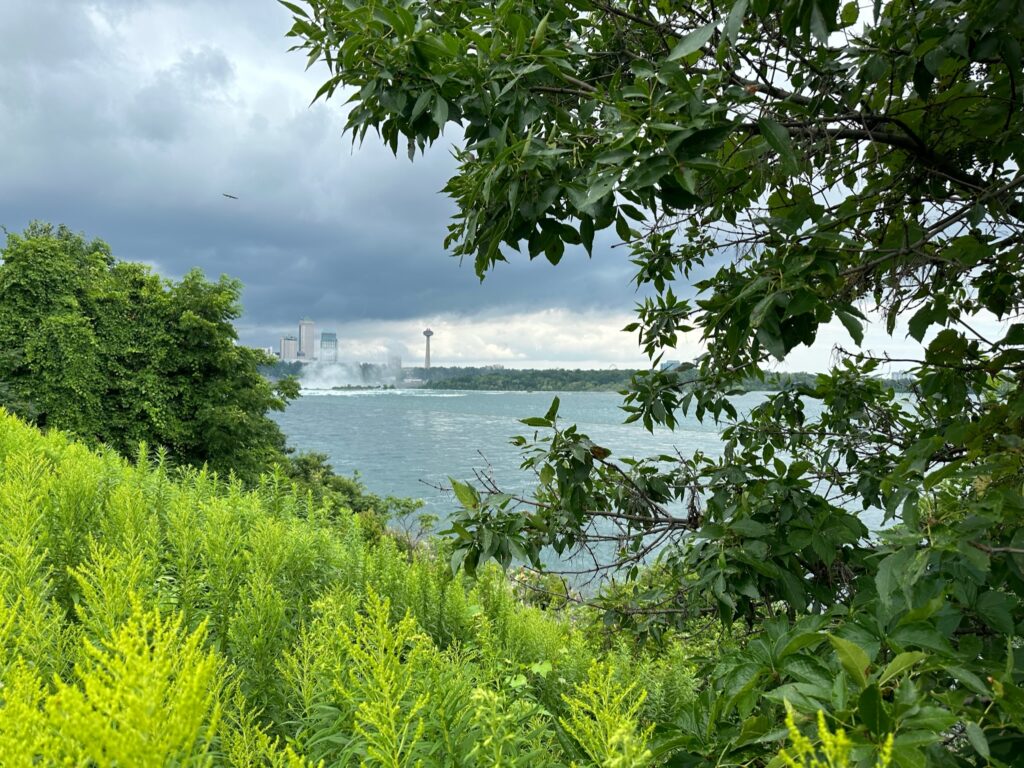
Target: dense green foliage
566 380
279 369
774 165
152 621
561 379
117 355
526 379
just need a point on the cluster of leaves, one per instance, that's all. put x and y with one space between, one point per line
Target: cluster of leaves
153 618
117 355
775 166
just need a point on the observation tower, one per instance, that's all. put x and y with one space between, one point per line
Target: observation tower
426 360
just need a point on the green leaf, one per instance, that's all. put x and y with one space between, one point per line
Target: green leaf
923 80
801 641
872 712
901 664
908 756
294 9
692 42
977 738
888 576
748 527
920 634
778 139
818 26
536 421
622 229
440 112
599 188
772 342
854 659
997 609
968 678
540 32
853 326
547 474
919 323
735 20
458 555
849 14
553 410
422 101
466 494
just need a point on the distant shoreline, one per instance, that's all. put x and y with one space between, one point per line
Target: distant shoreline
491 379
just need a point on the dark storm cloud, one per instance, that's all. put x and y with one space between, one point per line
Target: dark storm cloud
160 110
129 119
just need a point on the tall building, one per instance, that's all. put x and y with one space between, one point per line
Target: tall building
426 360
307 338
395 362
289 348
329 347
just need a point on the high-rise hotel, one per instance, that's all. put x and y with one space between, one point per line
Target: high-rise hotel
307 337
328 347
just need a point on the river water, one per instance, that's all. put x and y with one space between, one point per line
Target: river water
404 442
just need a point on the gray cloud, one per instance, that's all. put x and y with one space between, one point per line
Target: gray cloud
128 119
160 111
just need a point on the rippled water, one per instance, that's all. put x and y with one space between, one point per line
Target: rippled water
405 441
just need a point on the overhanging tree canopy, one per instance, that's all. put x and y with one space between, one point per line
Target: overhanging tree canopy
820 163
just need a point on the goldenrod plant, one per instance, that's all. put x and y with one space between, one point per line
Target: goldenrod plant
833 750
603 719
153 617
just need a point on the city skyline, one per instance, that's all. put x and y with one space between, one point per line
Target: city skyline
313 346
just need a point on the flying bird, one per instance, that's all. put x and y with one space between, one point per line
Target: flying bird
230 196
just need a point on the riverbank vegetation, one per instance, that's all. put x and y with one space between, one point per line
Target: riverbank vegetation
108 350
778 171
153 616
576 380
492 378
521 380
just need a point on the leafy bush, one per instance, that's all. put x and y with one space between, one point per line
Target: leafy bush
114 353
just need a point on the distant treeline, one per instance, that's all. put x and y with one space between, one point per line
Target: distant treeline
544 379
524 379
774 382
560 379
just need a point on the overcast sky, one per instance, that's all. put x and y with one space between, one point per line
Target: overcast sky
128 119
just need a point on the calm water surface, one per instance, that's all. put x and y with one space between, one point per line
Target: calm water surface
403 442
